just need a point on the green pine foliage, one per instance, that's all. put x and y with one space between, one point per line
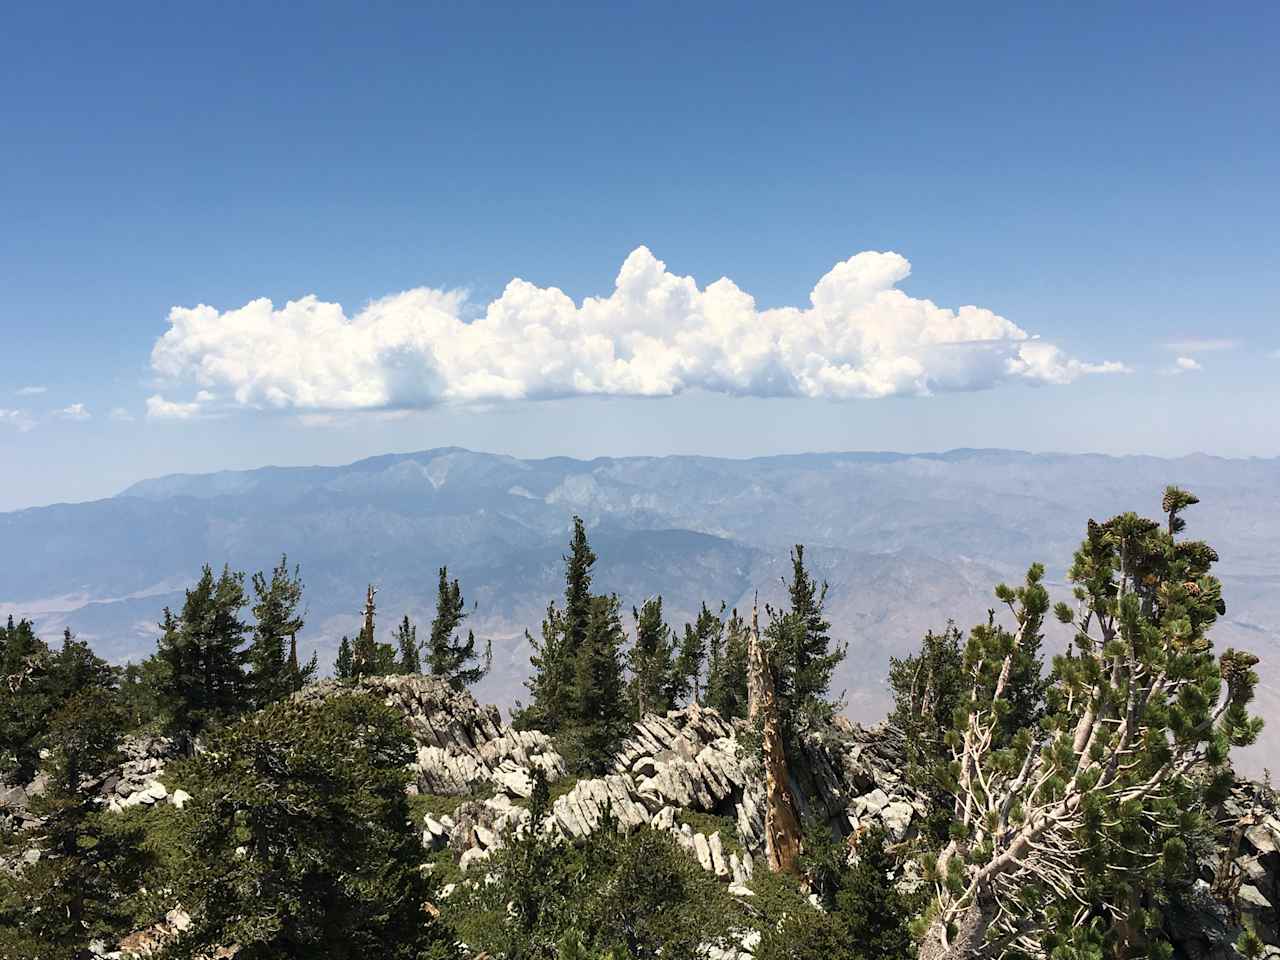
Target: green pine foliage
688 682
612 896
928 687
802 654
81 886
1089 815
578 685
274 672
577 589
204 682
862 915
652 659
727 668
600 713
299 841
448 655
27 700
344 662
406 642
550 682
141 686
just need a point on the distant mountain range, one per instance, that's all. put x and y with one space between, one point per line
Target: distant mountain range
906 541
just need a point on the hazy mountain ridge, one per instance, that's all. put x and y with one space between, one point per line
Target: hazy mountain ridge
905 540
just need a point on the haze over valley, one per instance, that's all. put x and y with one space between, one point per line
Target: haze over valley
905 541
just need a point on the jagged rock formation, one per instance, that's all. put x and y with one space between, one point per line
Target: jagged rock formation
462 746
693 762
689 760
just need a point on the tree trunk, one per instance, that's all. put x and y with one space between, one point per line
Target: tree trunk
969 942
781 825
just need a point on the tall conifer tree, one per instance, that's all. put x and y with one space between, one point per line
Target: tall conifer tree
802 654
599 702
555 652
651 659
344 662
274 671
203 651
407 645
448 655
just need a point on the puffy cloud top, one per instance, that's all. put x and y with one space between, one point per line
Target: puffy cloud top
656 335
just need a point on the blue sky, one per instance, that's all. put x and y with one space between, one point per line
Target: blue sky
1103 179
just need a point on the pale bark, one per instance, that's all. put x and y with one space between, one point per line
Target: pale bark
781 824
969 941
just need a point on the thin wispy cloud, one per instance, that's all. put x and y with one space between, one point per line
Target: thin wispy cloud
31 391
121 415
1201 345
76 411
657 334
17 420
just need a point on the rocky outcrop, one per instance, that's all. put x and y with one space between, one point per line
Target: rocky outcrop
1238 884
463 747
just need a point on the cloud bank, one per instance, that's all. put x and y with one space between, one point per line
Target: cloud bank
656 335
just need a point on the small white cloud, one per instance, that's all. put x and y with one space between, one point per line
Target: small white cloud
121 415
657 334
158 408
1200 345
76 411
1184 365
31 391
17 419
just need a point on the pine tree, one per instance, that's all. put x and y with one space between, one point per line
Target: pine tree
555 652
699 637
727 668
653 678
1068 832
801 652
928 687
364 652
274 672
78 889
448 655
27 701
344 663
298 840
599 692
577 590
407 644
550 682
204 679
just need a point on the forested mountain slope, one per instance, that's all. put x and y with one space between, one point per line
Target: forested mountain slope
906 542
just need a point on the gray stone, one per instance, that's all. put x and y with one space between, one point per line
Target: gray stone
897 818
702 850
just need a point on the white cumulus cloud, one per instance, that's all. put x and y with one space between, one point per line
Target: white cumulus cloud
657 334
1184 365
76 411
161 409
